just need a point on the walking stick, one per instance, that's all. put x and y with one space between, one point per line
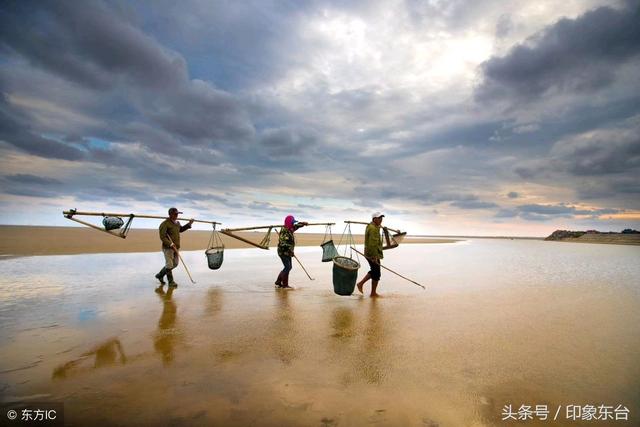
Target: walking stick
305 270
388 269
181 260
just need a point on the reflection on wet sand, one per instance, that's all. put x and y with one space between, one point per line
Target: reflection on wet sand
362 342
284 332
164 340
244 354
105 354
213 303
372 361
342 324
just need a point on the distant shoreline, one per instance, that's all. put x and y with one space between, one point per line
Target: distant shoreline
592 236
26 240
474 237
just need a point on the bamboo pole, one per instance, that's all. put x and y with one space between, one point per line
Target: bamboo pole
181 260
242 239
275 226
71 213
98 228
367 223
388 269
229 232
305 270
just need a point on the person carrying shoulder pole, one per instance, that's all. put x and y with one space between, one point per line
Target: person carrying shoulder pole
169 231
373 252
286 246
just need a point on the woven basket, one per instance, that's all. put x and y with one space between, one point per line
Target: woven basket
345 275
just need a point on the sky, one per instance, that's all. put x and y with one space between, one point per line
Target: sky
451 117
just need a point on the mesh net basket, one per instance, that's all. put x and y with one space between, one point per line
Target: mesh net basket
112 222
215 256
329 251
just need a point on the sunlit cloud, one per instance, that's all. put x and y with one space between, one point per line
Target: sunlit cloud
455 117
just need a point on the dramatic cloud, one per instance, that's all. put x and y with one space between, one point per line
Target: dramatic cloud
571 55
453 117
535 212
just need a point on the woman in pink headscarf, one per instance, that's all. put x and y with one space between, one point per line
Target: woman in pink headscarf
286 245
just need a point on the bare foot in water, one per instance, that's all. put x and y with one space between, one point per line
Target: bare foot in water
359 285
375 295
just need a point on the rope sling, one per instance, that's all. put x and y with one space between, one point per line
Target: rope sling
215 250
329 251
394 240
266 240
345 269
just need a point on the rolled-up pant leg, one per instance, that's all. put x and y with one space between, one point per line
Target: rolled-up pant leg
171 259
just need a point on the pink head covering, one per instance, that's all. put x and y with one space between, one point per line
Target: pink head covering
289 221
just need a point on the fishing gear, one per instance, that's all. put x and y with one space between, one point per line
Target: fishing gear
345 269
215 250
266 240
113 221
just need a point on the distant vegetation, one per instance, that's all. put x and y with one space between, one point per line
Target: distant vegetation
627 236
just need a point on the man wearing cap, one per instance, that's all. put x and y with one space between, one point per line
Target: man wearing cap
373 252
170 230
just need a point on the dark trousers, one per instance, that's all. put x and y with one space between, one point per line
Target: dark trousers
286 261
375 270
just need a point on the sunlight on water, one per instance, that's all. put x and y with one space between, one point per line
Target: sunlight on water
519 322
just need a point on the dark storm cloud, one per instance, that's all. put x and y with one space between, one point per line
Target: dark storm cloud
512 195
199 112
30 192
537 212
32 179
598 156
31 185
113 191
571 55
245 43
212 102
604 188
409 192
601 164
473 204
265 206
287 141
88 44
15 129
547 209
193 196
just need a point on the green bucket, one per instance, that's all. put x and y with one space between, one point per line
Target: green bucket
345 275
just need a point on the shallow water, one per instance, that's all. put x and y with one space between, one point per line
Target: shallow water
502 322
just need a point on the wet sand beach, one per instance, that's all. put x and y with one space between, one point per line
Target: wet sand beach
33 240
501 322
